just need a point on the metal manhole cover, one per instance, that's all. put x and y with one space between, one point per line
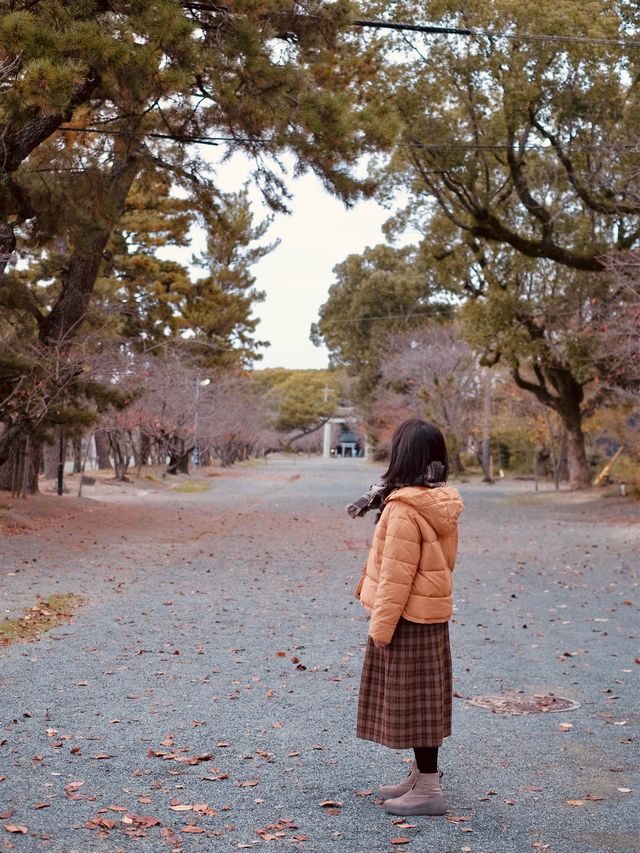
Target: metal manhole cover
519 704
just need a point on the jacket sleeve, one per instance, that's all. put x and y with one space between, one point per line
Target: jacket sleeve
400 558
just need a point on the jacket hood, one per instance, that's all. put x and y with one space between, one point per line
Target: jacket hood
441 507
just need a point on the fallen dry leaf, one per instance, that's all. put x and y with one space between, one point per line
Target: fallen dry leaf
18 828
169 836
335 804
145 822
194 829
575 802
183 807
100 822
400 840
250 783
363 793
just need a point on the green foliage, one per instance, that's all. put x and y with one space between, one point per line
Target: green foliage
382 291
526 142
159 299
297 400
92 207
626 469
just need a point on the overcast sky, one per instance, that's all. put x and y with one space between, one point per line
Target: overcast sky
297 275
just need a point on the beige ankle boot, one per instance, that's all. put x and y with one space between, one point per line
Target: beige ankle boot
389 792
425 797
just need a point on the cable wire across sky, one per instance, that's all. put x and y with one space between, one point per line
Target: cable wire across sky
433 29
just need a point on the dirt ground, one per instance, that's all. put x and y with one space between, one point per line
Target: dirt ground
203 697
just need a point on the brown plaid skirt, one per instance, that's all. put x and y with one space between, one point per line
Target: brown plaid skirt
405 688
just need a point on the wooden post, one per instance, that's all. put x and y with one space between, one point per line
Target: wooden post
607 467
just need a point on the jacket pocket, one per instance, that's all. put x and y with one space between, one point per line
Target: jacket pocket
361 581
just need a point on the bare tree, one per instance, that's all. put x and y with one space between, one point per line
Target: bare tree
434 374
231 423
43 387
617 324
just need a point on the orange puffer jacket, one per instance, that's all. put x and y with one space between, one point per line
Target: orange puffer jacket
409 568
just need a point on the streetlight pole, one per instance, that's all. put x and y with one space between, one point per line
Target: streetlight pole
200 383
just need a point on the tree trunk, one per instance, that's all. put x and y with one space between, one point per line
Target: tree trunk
144 447
77 454
179 458
121 454
102 449
81 269
569 407
579 473
50 454
559 390
19 474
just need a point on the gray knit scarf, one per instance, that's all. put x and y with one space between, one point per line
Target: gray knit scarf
379 492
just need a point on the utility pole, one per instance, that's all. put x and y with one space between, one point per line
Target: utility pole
326 436
61 448
486 429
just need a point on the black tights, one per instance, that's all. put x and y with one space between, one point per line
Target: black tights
426 758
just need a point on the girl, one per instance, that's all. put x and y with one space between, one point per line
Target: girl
405 690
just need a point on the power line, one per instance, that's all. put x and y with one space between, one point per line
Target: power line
429 146
408 315
418 28
189 139
432 29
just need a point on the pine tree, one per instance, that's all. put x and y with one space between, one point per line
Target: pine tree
152 80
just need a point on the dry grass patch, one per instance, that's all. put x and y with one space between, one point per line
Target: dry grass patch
193 487
43 616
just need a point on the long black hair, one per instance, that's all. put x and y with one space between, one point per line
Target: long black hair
418 455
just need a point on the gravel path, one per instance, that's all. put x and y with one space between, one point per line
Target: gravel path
222 624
